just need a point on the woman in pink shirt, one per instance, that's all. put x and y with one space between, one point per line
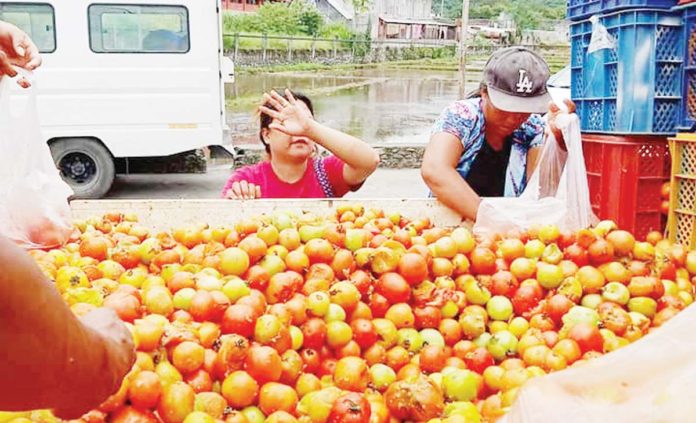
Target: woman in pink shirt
294 170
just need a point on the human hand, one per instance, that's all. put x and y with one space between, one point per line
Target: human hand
17 49
552 118
292 117
243 190
120 351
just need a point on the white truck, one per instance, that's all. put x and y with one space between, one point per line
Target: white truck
123 79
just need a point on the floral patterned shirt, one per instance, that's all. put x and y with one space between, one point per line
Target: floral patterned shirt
464 119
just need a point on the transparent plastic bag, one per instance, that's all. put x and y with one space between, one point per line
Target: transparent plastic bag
557 193
650 381
34 210
601 38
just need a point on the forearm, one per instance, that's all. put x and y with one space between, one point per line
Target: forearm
451 190
353 151
49 359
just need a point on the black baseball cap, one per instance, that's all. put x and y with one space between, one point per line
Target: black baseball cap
516 80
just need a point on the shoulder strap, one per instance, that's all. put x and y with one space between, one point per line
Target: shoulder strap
323 177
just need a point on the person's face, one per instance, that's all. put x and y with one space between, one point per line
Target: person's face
502 122
284 146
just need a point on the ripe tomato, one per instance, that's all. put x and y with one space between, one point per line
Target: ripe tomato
200 381
427 317
311 360
351 374
240 389
557 306
263 364
379 305
587 336
277 397
483 261
526 298
314 332
364 332
96 247
132 415
144 390
239 319
413 267
478 360
394 288
351 407
432 358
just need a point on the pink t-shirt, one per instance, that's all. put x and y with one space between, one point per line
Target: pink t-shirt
308 186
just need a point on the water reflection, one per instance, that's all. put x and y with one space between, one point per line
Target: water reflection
377 105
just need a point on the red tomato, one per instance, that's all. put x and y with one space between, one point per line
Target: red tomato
588 337
478 360
394 288
314 331
364 332
351 407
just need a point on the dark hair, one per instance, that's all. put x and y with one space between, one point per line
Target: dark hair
266 119
477 92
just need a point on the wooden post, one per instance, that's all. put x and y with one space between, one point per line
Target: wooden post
289 49
335 52
462 49
236 46
314 47
264 47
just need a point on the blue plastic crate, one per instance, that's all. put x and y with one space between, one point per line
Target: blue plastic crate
688 111
583 9
635 88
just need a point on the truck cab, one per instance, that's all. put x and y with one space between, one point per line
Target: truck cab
124 79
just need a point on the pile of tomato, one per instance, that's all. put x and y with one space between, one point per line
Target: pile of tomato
360 316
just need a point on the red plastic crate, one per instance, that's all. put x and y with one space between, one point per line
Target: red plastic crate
625 175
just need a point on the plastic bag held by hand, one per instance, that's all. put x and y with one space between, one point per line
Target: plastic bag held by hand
557 193
34 210
650 381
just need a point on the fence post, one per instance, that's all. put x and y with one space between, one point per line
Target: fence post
264 47
289 49
335 51
236 46
352 49
314 46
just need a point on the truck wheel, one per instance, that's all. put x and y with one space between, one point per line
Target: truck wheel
86 165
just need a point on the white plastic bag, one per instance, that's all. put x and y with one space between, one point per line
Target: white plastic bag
652 380
601 38
557 193
34 210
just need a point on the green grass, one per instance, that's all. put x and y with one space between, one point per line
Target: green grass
256 44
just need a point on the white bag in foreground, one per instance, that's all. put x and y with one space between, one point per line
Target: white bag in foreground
557 192
650 381
34 210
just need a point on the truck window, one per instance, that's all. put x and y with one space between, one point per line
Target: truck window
36 19
127 28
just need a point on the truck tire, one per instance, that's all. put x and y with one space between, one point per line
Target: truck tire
85 164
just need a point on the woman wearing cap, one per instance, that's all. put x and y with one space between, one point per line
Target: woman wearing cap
487 145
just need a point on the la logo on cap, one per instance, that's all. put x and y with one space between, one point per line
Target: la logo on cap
524 84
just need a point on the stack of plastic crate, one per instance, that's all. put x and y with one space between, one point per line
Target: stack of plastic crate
629 100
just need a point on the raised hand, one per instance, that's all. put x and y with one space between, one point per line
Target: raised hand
552 116
17 49
290 116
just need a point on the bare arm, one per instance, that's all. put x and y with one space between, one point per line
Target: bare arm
440 174
49 358
360 159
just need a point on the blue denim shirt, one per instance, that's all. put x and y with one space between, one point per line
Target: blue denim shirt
464 119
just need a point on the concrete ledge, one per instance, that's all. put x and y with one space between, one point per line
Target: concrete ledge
393 156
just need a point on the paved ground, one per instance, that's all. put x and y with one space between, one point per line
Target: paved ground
384 183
